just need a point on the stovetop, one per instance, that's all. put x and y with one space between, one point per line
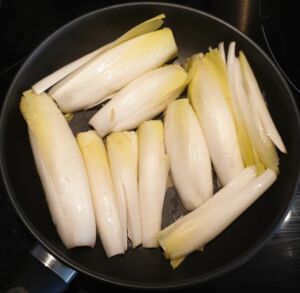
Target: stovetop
272 24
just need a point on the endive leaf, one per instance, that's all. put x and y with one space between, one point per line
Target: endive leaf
147 26
246 146
122 148
210 97
176 262
258 103
189 156
153 176
211 218
141 100
103 193
222 52
142 28
265 151
110 71
61 170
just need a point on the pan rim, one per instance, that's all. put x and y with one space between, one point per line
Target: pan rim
243 258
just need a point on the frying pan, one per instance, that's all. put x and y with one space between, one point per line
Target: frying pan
194 31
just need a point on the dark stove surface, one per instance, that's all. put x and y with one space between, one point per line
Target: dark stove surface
272 24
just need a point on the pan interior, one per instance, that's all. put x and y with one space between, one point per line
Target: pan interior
194 32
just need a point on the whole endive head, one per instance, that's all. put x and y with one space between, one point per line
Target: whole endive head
210 97
61 170
108 72
141 100
188 152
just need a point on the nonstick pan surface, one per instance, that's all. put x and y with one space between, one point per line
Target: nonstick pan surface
194 32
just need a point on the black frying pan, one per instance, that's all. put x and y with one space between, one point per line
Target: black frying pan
194 31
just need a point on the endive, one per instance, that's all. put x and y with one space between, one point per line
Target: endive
108 72
264 152
122 148
246 144
211 218
258 103
153 176
61 170
141 100
210 97
234 185
103 193
189 157
142 28
222 51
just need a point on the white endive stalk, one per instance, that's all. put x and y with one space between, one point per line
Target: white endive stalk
258 103
61 170
264 149
213 217
153 177
112 70
142 28
234 185
241 180
222 51
141 100
210 97
189 156
103 193
122 148
246 145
